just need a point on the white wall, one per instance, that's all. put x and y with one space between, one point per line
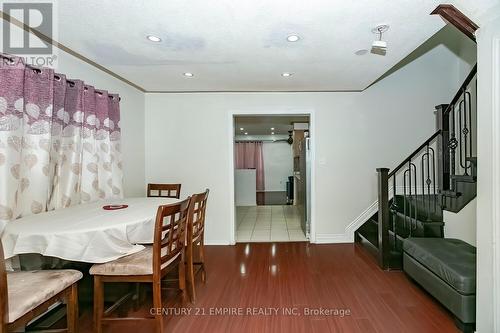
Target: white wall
278 165
467 56
189 138
461 225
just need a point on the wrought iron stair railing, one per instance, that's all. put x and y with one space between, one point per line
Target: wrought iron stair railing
412 196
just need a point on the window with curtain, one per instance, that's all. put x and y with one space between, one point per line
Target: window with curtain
59 141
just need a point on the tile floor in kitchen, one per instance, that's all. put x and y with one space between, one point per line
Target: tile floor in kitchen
268 224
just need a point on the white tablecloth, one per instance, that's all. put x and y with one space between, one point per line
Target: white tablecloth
87 232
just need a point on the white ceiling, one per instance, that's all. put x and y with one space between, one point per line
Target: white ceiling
261 125
236 45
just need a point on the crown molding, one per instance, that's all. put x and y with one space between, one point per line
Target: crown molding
66 49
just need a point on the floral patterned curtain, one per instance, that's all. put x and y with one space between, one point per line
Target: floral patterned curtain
59 141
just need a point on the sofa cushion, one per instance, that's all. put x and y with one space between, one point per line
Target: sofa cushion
29 289
452 260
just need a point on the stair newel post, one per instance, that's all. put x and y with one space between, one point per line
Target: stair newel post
383 218
443 147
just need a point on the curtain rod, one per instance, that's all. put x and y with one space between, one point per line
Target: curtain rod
56 76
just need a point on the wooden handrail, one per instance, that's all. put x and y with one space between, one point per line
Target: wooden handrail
405 161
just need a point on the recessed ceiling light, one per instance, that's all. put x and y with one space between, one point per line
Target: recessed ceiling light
361 52
246 133
153 38
187 74
272 133
272 128
286 74
293 38
241 128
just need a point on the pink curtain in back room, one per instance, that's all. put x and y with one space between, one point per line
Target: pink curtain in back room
248 155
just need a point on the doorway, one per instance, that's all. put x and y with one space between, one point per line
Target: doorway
272 177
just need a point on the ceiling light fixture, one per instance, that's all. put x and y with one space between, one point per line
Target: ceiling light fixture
241 128
272 133
379 46
153 38
272 128
293 38
286 74
187 74
246 133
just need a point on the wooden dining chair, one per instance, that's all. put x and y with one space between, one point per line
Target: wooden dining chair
147 266
164 190
24 295
195 250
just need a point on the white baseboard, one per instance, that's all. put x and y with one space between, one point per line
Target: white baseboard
361 219
348 235
218 242
333 238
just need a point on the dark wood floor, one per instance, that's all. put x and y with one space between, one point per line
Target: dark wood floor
297 276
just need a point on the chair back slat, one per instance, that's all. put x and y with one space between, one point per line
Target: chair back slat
4 303
196 215
166 227
164 190
164 260
170 233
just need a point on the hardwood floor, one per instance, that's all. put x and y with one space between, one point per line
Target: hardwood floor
266 279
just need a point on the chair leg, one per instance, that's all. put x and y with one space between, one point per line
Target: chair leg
98 303
72 309
137 296
182 274
202 260
190 273
158 306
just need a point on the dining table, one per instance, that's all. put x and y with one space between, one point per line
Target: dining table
95 232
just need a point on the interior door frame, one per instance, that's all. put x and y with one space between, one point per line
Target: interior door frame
312 135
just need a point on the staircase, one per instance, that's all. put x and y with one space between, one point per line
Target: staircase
439 175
